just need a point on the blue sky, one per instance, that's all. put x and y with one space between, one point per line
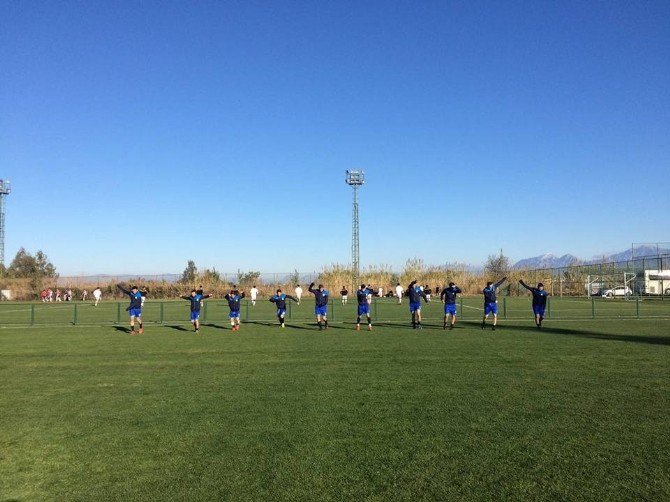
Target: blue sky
138 135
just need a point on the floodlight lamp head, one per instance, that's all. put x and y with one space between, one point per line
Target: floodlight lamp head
5 187
355 178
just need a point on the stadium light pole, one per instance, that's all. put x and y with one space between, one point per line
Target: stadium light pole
355 179
5 189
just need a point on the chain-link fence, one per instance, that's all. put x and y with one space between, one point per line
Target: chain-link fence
639 277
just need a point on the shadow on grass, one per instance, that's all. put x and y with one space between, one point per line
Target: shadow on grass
650 339
272 324
261 323
177 327
122 329
215 326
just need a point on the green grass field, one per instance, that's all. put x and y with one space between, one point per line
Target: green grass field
580 410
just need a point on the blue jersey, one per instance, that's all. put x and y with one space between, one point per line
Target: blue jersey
490 291
449 294
362 296
135 298
320 297
415 294
234 301
280 300
539 295
195 301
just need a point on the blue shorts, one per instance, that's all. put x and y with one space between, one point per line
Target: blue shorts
234 314
491 308
414 306
195 315
450 308
321 310
364 309
539 310
135 312
281 312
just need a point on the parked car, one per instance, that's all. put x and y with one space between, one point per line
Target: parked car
618 291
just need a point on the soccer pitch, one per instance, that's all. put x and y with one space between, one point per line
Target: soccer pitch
579 410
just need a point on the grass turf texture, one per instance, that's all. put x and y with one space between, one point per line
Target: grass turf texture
580 410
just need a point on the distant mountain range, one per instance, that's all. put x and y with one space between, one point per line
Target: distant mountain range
552 261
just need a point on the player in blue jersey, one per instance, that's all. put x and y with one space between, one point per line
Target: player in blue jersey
362 296
491 302
415 294
279 300
320 304
233 298
448 296
539 301
196 299
135 307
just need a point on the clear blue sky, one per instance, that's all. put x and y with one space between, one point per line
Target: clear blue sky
138 135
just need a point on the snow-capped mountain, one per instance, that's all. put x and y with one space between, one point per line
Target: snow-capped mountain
552 261
546 261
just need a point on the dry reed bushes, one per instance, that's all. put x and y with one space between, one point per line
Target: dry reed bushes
333 277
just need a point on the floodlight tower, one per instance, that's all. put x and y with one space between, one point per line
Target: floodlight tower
5 189
355 180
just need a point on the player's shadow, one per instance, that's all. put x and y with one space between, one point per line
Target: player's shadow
122 329
297 326
177 327
649 339
215 326
262 323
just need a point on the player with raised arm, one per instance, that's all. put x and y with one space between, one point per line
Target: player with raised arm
448 296
196 302
135 307
491 302
415 294
320 304
280 301
539 301
233 298
363 307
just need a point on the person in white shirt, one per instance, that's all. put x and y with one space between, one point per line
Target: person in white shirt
369 295
97 294
380 292
398 292
254 293
84 294
298 292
